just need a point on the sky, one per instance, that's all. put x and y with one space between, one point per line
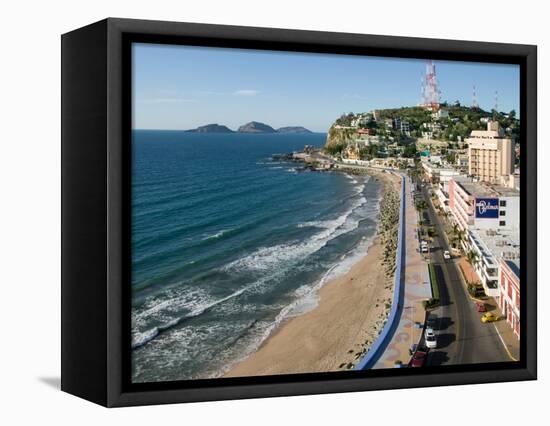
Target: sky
183 87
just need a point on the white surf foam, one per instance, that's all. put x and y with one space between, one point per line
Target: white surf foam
267 258
167 312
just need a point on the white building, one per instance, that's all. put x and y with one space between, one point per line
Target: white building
490 216
440 113
491 154
436 173
483 206
491 246
462 160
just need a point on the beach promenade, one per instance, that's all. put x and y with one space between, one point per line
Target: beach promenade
416 289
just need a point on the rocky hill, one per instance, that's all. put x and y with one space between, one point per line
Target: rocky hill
256 127
453 123
251 127
293 129
211 128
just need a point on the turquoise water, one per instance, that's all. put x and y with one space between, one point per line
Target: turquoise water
227 243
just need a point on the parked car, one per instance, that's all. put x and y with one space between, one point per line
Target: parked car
431 340
424 247
480 307
489 317
418 359
431 321
446 254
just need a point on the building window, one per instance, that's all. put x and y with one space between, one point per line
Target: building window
502 203
502 223
502 213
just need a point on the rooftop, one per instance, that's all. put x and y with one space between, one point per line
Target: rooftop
514 266
498 244
489 134
483 189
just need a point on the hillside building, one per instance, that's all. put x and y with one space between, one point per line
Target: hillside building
490 154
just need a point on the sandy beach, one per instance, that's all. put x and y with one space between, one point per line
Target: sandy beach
333 336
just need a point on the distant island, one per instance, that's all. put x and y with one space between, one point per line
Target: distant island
211 128
251 127
293 129
256 127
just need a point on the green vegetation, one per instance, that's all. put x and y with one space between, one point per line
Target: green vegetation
476 290
371 151
472 258
431 232
415 116
421 206
335 149
433 282
434 300
345 119
430 303
462 120
409 151
457 237
395 132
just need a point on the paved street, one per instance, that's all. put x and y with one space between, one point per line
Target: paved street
462 337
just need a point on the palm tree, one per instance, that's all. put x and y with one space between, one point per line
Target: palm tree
460 237
421 206
472 258
457 236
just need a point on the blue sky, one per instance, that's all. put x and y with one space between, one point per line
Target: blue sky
181 87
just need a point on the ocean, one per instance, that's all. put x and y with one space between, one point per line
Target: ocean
227 243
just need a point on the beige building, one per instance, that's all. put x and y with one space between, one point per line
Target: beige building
490 154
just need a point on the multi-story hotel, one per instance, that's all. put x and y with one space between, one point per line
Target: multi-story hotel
490 216
464 193
490 154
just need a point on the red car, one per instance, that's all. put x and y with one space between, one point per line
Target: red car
480 306
418 359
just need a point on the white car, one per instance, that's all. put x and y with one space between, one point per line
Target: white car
431 340
446 254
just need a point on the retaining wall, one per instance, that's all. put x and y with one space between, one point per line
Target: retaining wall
381 343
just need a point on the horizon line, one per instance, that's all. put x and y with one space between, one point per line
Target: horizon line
233 131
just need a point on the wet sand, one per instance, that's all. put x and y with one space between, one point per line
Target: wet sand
334 335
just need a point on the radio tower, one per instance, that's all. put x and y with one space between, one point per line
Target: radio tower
495 113
430 92
475 105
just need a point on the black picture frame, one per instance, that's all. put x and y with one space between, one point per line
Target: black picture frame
96 123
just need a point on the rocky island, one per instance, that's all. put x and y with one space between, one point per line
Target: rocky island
211 128
251 127
256 127
293 129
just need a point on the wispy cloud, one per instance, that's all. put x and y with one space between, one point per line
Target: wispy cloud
165 100
246 92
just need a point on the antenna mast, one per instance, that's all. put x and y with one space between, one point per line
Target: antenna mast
475 105
430 90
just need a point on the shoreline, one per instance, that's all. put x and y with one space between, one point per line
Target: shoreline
349 316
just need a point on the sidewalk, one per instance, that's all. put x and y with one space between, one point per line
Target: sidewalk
417 289
507 337
509 340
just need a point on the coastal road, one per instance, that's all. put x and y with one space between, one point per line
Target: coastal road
462 338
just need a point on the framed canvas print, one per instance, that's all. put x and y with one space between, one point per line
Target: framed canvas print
252 212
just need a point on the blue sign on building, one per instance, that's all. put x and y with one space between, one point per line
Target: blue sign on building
486 208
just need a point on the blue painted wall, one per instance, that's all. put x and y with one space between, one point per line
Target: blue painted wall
378 348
